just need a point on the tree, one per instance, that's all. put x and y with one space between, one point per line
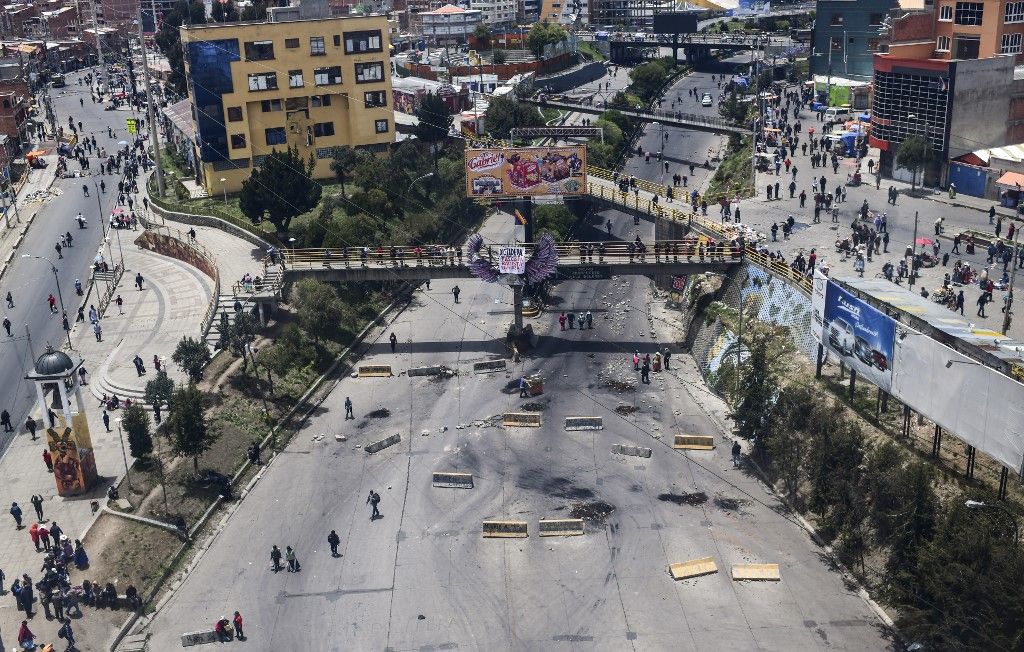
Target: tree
758 389
648 79
499 57
290 350
281 188
224 11
483 36
168 39
343 160
192 355
318 308
160 390
435 123
136 425
914 153
187 425
553 218
256 10
504 114
241 334
543 34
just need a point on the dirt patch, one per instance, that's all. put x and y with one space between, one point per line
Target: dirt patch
594 511
730 504
626 409
533 407
124 552
694 500
620 386
381 413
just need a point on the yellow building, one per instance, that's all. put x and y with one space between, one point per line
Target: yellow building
310 84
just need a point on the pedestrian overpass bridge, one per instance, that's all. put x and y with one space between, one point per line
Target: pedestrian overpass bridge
669 118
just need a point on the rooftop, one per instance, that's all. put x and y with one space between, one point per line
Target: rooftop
243 23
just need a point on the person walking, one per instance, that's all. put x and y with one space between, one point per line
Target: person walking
37 504
65 632
348 409
373 500
10 300
736 450
333 540
455 293
645 372
5 421
52 302
97 331
636 361
48 460
960 302
590 320
293 562
106 420
275 558
139 280
120 304
561 321
394 342
30 425
7 326
982 300
666 355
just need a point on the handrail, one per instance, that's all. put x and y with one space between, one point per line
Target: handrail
212 211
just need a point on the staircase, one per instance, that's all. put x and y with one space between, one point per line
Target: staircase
225 314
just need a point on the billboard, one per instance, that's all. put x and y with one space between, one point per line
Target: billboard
860 335
517 171
512 259
675 22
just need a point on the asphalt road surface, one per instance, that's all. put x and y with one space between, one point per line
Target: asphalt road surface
31 281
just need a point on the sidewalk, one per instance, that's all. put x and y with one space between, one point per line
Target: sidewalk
28 203
171 305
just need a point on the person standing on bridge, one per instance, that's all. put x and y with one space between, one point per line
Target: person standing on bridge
455 293
348 409
561 321
572 319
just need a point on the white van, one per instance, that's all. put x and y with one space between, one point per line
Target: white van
837 113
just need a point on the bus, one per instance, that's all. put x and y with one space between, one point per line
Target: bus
57 80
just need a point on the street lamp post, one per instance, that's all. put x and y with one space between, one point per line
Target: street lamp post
124 453
979 505
417 179
60 296
1013 276
224 187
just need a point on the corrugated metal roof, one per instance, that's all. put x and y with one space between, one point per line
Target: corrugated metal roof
1006 152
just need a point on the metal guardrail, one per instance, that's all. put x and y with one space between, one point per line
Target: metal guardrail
212 211
714 123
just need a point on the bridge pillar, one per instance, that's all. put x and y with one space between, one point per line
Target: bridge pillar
517 306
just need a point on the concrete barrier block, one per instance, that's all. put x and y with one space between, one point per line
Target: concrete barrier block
521 419
375 371
452 480
505 530
488 366
584 423
694 442
561 527
634 451
434 370
693 568
383 443
764 572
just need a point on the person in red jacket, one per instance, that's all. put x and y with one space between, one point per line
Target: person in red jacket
237 620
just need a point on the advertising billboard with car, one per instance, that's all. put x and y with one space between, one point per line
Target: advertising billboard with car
517 171
860 335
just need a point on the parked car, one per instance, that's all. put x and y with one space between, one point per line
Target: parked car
706 100
841 336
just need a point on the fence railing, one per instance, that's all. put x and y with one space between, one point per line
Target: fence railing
213 211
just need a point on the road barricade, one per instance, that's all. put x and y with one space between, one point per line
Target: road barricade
521 419
634 451
693 568
452 480
561 527
764 572
375 371
584 423
383 443
505 530
434 370
694 442
488 366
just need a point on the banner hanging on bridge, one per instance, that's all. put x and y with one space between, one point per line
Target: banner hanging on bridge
517 171
512 259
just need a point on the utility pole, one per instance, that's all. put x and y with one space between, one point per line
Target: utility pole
913 257
101 74
1015 262
153 128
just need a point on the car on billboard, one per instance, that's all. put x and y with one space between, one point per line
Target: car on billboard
487 185
841 336
863 351
879 360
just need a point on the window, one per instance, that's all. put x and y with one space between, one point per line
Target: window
876 19
382 126
337 40
294 79
356 42
836 42
375 99
259 50
874 44
969 13
327 76
1014 12
263 81
1010 44
369 72
276 136
296 104
966 47
234 114
946 13
237 141
270 105
836 20
291 43
323 129
320 100
316 46
942 44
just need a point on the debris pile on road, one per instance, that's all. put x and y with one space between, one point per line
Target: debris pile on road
595 511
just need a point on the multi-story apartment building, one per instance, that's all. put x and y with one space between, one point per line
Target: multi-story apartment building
309 84
449 25
496 12
847 33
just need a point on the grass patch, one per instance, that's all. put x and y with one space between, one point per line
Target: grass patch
587 49
734 176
